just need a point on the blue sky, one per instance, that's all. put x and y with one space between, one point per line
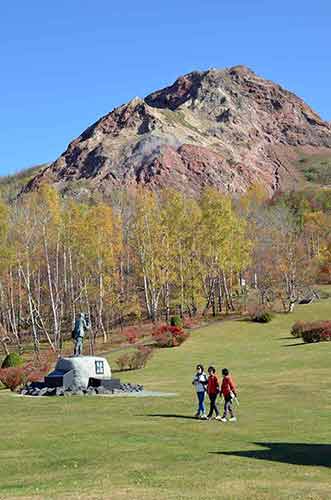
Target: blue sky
65 63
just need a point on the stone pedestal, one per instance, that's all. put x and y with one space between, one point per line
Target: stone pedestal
83 368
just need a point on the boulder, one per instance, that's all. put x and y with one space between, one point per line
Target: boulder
84 368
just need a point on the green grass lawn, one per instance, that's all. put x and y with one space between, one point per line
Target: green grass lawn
150 448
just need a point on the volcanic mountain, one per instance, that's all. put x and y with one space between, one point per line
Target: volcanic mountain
224 128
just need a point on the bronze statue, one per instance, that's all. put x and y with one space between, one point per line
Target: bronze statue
78 333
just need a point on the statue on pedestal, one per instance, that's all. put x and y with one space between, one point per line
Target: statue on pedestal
78 333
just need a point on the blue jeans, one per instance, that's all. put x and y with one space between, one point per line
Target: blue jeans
201 398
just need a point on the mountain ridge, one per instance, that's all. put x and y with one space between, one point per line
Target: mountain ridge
225 128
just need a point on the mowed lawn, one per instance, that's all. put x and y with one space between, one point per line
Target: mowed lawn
150 448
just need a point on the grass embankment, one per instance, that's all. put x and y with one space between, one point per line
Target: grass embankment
114 448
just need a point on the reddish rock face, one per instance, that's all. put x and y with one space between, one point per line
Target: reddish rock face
223 128
178 93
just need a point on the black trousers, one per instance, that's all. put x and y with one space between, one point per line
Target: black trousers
228 406
213 406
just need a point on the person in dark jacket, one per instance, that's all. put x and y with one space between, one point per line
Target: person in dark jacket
229 392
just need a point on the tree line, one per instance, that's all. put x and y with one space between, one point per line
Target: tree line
150 255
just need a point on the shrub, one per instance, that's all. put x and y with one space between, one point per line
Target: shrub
264 317
313 335
136 360
33 371
298 328
315 331
169 336
141 356
130 334
176 321
123 362
163 339
259 314
12 377
11 360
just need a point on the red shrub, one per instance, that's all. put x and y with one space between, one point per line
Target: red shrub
169 336
326 336
33 371
12 377
163 339
130 334
314 331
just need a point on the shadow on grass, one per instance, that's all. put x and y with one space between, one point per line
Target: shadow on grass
293 345
290 453
170 415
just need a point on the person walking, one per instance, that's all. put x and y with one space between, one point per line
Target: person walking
200 382
78 333
213 389
228 390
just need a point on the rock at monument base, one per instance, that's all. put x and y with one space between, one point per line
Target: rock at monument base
120 388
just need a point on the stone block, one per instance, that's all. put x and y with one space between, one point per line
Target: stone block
83 368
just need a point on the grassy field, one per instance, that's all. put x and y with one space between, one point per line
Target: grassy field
151 448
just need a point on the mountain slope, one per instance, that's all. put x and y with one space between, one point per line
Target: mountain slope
226 128
11 185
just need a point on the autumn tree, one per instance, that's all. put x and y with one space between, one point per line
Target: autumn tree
225 248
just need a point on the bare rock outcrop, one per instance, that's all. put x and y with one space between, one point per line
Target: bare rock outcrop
223 128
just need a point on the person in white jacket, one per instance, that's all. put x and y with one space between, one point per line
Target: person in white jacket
200 381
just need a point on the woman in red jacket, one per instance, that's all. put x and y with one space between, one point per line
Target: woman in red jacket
213 389
228 389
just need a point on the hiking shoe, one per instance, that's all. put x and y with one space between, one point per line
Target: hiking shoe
223 419
233 419
204 417
218 417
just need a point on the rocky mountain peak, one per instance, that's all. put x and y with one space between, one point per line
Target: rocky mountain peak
228 128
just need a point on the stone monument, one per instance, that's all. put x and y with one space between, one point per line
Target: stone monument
80 372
